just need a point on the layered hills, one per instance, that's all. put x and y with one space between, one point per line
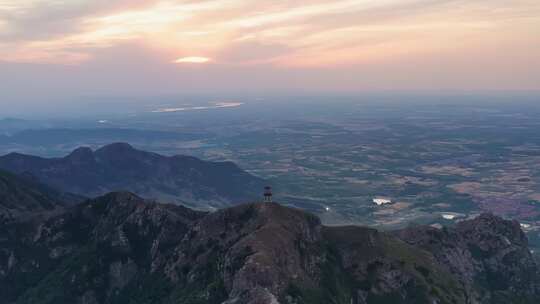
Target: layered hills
20 196
120 167
120 248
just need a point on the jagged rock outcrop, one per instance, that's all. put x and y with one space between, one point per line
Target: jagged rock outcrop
120 167
489 256
120 248
92 251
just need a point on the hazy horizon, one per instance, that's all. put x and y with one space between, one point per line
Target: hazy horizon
53 51
48 107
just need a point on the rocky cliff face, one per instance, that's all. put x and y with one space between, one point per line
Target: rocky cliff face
92 253
120 248
120 167
488 255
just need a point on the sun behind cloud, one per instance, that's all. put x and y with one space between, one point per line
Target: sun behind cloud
417 39
192 59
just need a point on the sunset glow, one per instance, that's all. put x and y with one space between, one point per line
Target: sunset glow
192 60
346 36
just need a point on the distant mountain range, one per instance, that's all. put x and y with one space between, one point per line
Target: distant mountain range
119 249
120 167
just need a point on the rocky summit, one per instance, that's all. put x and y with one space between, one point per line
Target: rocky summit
120 167
119 248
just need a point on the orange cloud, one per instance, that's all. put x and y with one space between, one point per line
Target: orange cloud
310 33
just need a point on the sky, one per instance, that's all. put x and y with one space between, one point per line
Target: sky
52 49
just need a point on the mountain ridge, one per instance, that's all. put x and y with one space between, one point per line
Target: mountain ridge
121 167
22 196
120 248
